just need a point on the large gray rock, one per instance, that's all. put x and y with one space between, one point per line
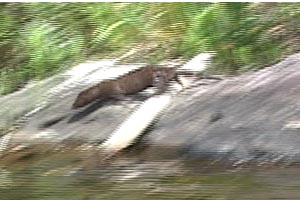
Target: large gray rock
255 116
52 119
252 117
37 95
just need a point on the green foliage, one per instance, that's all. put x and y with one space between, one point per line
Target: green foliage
237 36
40 39
47 48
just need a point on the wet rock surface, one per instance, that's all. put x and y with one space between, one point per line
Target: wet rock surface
253 117
52 120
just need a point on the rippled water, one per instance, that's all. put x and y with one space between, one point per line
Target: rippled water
55 176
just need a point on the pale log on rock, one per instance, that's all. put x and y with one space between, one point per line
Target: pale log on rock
136 123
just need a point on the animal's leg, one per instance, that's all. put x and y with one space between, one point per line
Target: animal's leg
178 80
160 82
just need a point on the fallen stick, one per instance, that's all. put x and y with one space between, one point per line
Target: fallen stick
136 123
4 141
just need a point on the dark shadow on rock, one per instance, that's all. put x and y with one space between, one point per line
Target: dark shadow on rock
216 117
87 110
52 122
105 102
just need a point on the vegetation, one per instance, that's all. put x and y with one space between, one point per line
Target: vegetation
40 39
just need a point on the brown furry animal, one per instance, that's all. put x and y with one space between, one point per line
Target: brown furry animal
130 83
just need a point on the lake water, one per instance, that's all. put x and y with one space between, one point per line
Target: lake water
54 176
